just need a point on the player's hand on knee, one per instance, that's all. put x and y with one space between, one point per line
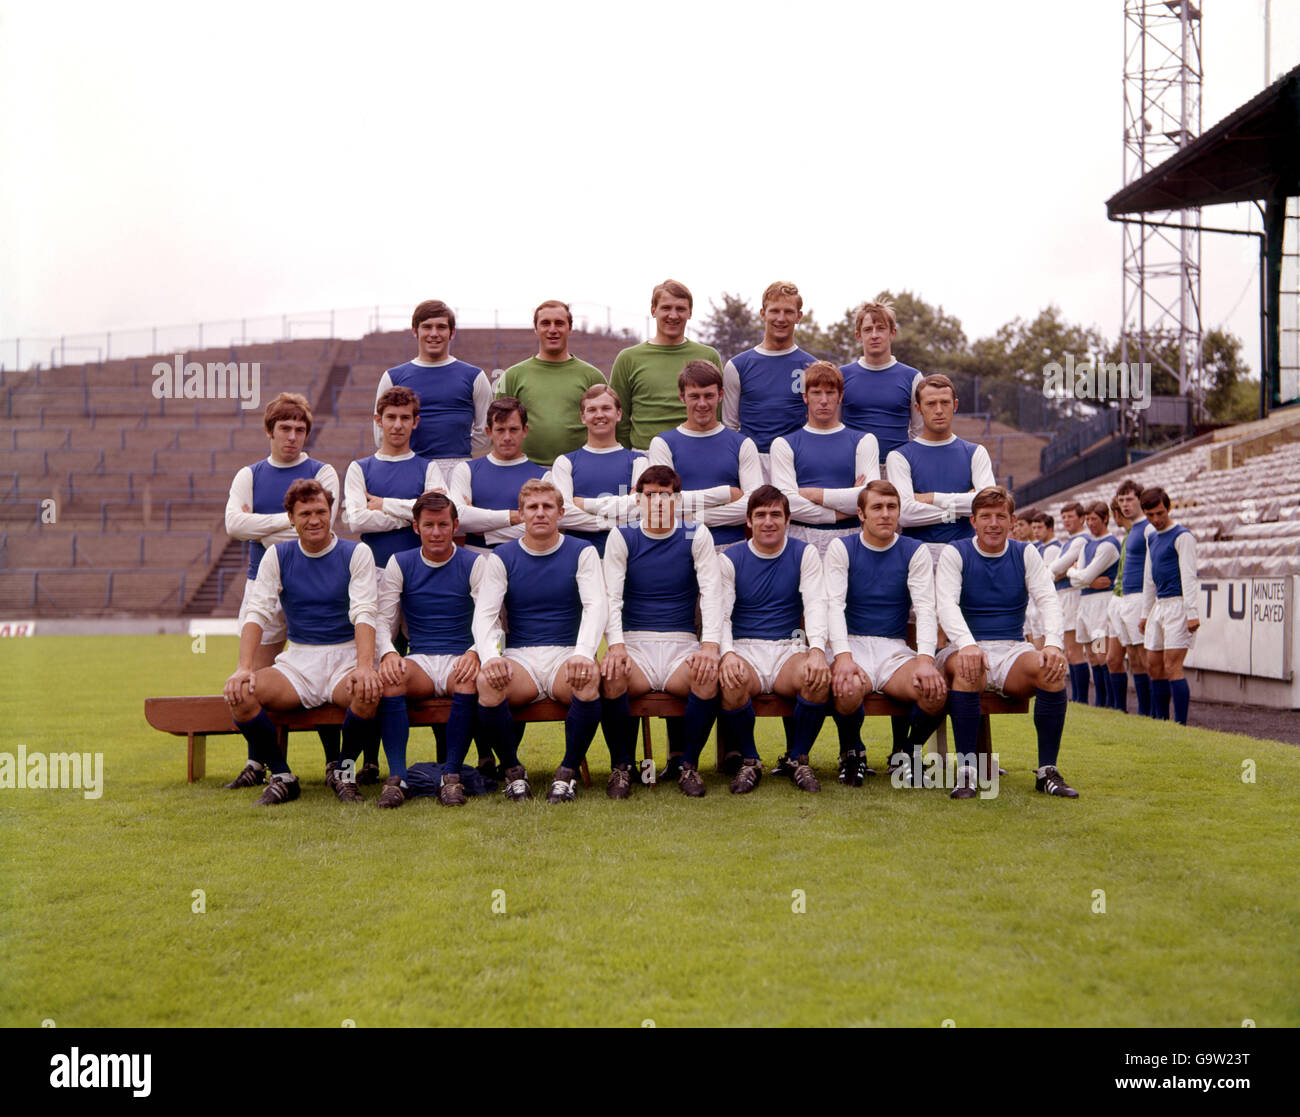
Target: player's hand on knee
1193 625
846 676
731 671
928 679
970 664
581 672
1052 662
816 671
392 669
367 686
465 668
498 672
615 666
239 686
703 665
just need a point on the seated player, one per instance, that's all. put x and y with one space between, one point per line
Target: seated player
379 491
709 456
600 468
645 375
822 466
1094 577
655 574
555 613
432 588
762 386
326 588
1170 605
486 490
1072 515
982 585
550 385
453 394
873 582
773 639
937 474
1125 634
255 512
879 390
1043 526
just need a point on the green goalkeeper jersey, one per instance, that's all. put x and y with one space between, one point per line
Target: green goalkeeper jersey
645 378
551 391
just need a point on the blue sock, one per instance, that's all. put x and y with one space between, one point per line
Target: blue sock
809 717
1142 687
1049 721
1072 670
263 743
619 727
358 734
1160 694
498 729
329 741
849 728
700 716
394 729
460 728
1082 670
1119 691
739 726
787 723
921 727
580 725
900 725
1182 697
964 708
1101 684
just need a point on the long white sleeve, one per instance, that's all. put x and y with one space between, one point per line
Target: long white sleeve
595 603
1038 581
1050 554
493 523
483 397
396 512
389 614
866 465
363 592
710 583
573 518
727 580
812 588
732 512
1185 545
836 580
785 478
920 584
1148 579
1106 555
1071 552
262 598
488 631
615 564
267 528
912 512
916 424
730 396
947 591
981 475
385 382
659 452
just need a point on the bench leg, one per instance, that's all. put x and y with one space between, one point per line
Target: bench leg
985 747
941 739
196 756
646 745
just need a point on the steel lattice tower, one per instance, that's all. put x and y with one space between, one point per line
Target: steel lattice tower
1161 283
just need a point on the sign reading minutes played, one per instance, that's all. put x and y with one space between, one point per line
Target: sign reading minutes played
1245 627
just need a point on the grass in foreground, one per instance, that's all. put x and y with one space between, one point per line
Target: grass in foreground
918 909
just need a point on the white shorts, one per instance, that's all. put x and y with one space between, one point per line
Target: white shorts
438 668
314 670
1125 613
767 657
659 654
279 628
820 537
880 657
543 664
1092 620
1001 656
446 466
765 464
1069 607
1167 626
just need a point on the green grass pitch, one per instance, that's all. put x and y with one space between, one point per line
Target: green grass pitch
917 909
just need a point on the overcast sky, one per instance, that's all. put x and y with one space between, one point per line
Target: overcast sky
170 163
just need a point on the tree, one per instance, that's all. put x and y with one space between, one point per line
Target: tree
732 327
928 338
1229 396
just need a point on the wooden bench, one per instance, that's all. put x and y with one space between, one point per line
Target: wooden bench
196 718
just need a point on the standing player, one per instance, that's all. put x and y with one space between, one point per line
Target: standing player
773 639
706 454
763 386
1094 577
432 588
938 474
1043 526
879 390
822 466
1126 608
255 512
873 581
1072 515
555 613
486 490
655 574
325 588
551 385
982 585
599 468
453 394
1170 605
645 376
